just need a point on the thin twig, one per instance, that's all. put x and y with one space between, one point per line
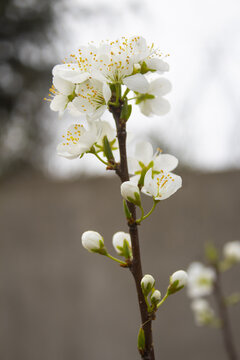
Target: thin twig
223 313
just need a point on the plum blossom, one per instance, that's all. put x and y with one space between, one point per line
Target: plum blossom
200 280
61 93
144 159
203 313
79 140
152 101
161 186
91 98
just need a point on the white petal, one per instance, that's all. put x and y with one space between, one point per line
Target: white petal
144 152
165 162
70 73
106 92
133 165
160 106
160 87
137 82
170 188
69 152
150 186
63 86
157 64
145 107
59 103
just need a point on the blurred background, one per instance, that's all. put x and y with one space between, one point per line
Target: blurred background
57 301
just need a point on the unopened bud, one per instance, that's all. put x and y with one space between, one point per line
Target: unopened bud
93 242
122 244
131 193
155 297
147 283
177 281
231 251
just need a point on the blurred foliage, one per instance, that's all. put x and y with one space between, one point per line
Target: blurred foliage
24 73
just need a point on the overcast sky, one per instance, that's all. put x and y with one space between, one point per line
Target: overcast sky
202 38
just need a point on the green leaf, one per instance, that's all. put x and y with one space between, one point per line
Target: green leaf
211 253
126 250
126 210
141 340
126 110
107 149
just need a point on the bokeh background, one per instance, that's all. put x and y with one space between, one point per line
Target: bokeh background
57 301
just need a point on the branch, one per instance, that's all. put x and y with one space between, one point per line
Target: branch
136 267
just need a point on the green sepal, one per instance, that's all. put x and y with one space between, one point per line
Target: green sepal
211 253
136 200
126 210
173 288
107 149
143 97
126 250
141 340
101 250
126 110
147 290
145 68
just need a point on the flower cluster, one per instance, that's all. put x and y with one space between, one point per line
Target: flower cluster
99 76
82 84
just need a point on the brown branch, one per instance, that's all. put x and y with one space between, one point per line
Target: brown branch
135 267
223 313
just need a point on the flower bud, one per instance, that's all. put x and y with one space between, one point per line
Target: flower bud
122 244
155 297
93 242
231 251
177 281
147 283
131 193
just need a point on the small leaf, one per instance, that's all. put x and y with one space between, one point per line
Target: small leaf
126 210
107 149
126 110
141 340
211 253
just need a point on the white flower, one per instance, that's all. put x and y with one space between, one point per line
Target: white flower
92 241
180 276
130 192
152 102
156 296
161 186
77 141
147 283
231 251
203 313
122 243
144 159
62 92
200 280
91 98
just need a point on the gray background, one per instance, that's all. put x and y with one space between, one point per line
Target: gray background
59 302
